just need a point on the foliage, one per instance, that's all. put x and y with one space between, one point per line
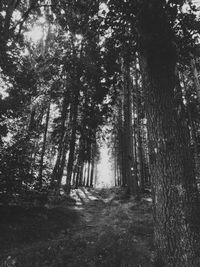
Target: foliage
81 51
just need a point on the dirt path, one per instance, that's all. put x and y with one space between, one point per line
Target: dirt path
109 232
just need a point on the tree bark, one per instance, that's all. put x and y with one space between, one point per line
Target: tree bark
175 196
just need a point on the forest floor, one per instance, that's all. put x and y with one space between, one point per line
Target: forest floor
101 229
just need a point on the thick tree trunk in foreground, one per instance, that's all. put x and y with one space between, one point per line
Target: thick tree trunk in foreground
176 205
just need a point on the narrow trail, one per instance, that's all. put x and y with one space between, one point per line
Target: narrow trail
108 231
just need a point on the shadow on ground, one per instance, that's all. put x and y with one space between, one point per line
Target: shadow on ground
102 229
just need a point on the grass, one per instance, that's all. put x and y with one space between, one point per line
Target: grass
108 231
23 226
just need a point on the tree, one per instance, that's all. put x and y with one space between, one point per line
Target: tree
129 155
158 37
171 159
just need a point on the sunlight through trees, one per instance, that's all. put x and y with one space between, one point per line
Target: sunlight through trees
103 94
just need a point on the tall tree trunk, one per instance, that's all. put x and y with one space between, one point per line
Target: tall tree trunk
72 140
139 139
175 196
88 173
84 173
92 172
121 154
55 175
128 132
93 155
44 145
80 163
77 177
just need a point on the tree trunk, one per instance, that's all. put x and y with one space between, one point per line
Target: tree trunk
55 175
128 132
84 173
72 140
80 162
88 174
121 138
175 196
92 172
141 177
93 155
44 146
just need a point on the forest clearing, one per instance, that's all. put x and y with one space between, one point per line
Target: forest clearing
100 133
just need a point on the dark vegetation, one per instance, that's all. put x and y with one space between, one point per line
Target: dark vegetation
107 231
73 76
26 225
